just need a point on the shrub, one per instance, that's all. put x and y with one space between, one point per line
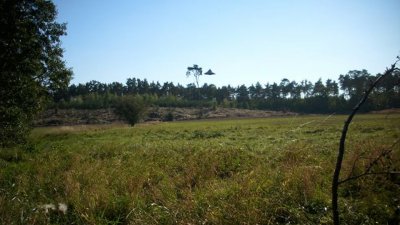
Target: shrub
130 108
169 116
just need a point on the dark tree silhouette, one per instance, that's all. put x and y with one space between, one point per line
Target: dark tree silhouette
197 71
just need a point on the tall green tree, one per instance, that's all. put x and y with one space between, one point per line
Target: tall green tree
31 64
319 89
242 96
285 87
195 71
354 83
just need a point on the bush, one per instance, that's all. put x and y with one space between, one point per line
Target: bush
169 117
130 108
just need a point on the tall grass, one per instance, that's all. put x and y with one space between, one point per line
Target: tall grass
249 171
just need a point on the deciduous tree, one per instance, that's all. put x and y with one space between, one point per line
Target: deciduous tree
31 64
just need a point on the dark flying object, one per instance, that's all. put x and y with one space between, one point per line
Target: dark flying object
209 72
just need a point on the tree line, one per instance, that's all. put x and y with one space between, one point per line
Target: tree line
307 97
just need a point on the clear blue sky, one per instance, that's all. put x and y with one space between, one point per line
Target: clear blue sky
242 41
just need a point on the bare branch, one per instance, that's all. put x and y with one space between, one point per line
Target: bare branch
366 174
338 167
372 164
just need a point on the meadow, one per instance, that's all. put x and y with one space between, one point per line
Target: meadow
235 171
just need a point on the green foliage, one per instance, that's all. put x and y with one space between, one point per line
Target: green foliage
130 108
247 171
303 97
31 64
14 125
169 116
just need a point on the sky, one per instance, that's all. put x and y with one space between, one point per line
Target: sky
242 41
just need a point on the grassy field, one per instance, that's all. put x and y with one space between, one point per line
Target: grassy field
248 171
